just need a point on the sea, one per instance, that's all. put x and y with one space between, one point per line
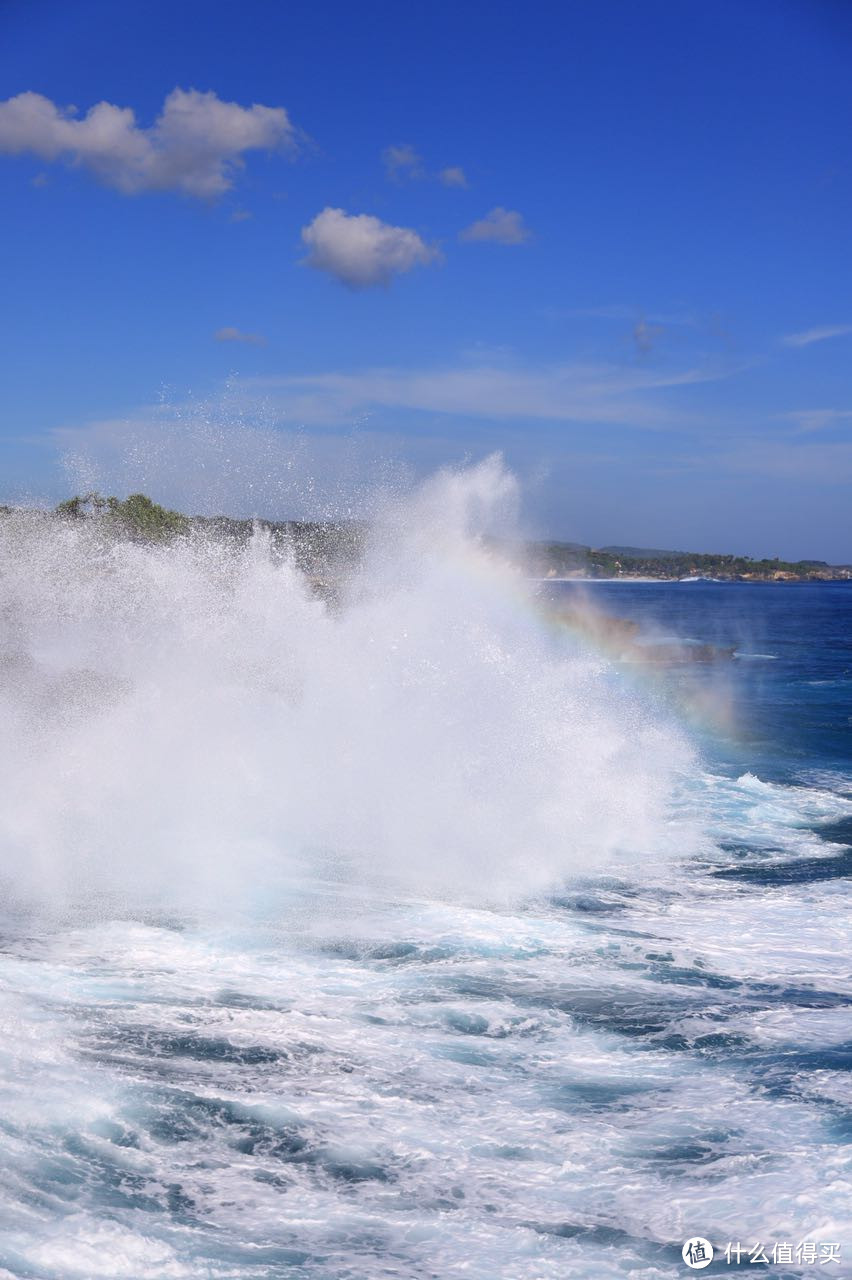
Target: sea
411 934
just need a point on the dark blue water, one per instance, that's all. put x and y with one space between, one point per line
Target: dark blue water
789 685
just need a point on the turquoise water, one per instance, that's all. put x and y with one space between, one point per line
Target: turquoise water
326 1073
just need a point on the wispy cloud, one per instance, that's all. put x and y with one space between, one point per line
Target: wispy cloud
195 146
809 420
558 393
230 334
277 444
454 176
402 161
819 334
362 251
500 226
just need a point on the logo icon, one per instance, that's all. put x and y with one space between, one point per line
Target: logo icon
697 1253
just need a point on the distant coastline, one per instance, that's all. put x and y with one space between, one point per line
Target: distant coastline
839 573
571 562
323 546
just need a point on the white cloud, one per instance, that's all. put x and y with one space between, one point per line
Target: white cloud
230 334
454 176
819 334
362 251
402 161
502 226
194 146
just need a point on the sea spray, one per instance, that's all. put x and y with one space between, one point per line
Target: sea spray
293 1022
188 724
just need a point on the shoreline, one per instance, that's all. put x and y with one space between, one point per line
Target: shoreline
715 582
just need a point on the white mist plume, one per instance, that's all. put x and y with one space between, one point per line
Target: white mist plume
187 722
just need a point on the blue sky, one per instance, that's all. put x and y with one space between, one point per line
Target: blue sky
609 239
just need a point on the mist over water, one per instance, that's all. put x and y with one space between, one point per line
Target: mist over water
379 927
189 724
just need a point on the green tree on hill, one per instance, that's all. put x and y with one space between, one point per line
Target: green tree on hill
138 515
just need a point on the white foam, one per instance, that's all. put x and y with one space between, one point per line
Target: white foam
460 1068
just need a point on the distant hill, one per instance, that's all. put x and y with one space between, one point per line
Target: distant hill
656 553
570 559
642 553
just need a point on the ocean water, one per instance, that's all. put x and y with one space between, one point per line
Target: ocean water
410 936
